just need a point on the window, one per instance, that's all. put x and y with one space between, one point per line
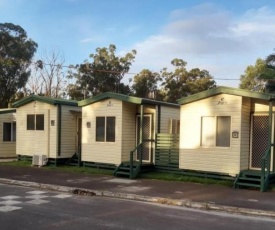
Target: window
35 122
110 129
9 131
105 129
30 122
174 126
215 131
39 125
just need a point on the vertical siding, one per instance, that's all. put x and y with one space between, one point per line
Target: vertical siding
30 142
104 152
168 113
245 133
68 130
128 129
212 159
53 132
7 149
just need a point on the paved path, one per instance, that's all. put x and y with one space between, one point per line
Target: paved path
188 192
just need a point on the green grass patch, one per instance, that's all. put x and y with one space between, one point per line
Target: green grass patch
148 175
67 168
23 163
88 170
183 178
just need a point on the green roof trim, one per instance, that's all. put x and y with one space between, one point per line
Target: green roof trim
48 100
225 90
122 97
9 110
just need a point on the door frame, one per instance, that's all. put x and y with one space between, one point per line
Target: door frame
251 137
151 135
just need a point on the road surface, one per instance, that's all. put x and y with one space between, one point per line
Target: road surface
32 209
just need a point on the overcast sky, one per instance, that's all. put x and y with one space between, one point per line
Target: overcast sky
223 37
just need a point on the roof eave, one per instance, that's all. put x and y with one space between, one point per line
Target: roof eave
225 90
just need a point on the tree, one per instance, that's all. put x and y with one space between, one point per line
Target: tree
181 82
16 52
268 74
105 72
48 77
251 78
145 83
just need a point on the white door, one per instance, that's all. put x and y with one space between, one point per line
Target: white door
147 135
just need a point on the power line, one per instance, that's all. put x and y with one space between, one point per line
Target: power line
40 64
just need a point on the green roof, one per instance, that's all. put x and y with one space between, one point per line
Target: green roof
48 100
122 97
225 90
9 110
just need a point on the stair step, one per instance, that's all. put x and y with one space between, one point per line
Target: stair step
122 173
251 173
250 179
248 184
125 168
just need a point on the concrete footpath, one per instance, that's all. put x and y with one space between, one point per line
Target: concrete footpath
207 197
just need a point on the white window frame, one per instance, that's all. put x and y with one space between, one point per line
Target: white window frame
35 122
13 135
213 133
105 129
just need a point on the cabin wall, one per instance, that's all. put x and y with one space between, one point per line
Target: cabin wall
128 129
193 156
167 115
68 130
7 148
31 142
101 152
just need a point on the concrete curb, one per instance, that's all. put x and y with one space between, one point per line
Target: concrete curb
158 200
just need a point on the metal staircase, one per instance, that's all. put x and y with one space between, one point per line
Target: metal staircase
125 170
248 179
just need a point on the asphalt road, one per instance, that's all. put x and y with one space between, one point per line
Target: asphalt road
32 209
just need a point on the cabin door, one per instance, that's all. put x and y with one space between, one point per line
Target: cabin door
147 135
259 139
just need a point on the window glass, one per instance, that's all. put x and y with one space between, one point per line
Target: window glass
39 122
30 122
100 129
223 131
111 129
13 131
208 131
6 131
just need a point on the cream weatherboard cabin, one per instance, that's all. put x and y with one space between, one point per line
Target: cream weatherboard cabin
230 132
47 128
8 133
113 125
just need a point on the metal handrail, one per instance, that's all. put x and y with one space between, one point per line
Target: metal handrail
265 169
132 158
138 149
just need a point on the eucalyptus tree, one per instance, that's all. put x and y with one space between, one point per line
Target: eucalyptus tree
181 83
104 73
146 84
251 79
16 53
268 74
